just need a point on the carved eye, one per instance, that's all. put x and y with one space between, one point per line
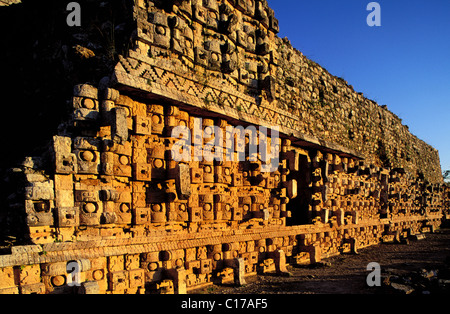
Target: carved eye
179 262
156 119
158 163
87 156
213 15
215 57
88 103
58 281
124 160
160 30
90 208
152 266
156 208
98 274
207 207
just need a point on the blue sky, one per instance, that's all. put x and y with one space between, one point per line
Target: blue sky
404 64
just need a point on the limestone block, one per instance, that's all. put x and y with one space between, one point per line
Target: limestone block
142 172
160 29
136 278
7 278
65 161
40 191
90 213
153 270
118 280
64 196
36 288
183 181
158 212
89 287
119 125
141 216
85 90
39 213
88 161
85 109
143 125
11 290
68 216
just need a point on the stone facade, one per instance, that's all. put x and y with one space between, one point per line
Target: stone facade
108 199
9 2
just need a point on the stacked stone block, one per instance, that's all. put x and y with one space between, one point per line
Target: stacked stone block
108 209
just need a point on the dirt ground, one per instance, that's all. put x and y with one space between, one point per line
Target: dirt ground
420 267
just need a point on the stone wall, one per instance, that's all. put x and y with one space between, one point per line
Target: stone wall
331 109
239 50
107 198
8 2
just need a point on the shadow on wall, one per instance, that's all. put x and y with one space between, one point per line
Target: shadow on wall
42 59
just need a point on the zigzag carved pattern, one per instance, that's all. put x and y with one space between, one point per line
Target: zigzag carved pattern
203 91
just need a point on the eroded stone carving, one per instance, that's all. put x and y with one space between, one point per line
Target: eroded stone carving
110 190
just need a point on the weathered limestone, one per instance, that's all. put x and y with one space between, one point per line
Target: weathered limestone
110 197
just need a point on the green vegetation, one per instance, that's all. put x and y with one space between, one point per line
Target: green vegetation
446 175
